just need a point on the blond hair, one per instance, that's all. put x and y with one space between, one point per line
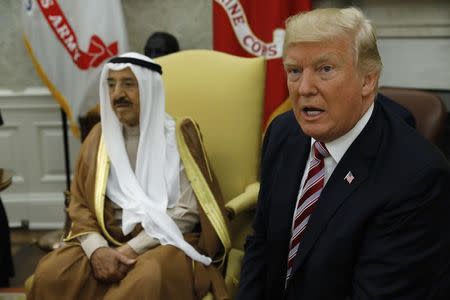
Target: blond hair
321 25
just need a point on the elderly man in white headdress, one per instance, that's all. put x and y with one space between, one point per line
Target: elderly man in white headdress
139 196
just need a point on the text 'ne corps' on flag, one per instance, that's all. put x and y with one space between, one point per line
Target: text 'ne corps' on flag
256 28
68 42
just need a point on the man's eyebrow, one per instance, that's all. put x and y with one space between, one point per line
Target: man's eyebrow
129 79
318 60
289 63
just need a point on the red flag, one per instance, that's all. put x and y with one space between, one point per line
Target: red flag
256 28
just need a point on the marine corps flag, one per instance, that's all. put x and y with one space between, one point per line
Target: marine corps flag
68 42
256 28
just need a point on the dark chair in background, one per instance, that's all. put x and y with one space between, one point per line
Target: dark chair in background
87 122
427 108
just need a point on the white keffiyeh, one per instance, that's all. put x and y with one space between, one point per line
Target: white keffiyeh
145 195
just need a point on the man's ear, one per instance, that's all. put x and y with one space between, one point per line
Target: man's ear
369 83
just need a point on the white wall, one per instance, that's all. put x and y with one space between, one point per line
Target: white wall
414 41
31 146
416 62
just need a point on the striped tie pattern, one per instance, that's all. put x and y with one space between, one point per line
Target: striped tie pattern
310 194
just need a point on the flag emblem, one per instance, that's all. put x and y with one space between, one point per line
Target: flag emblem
349 177
256 28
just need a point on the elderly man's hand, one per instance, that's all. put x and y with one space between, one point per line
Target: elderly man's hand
109 265
127 251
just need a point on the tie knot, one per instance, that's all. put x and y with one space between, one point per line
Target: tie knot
320 151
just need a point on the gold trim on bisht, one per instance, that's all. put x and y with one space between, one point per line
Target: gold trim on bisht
101 179
201 188
71 237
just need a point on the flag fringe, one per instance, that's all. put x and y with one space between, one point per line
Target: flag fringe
60 99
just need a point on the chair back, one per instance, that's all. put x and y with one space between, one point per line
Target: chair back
224 95
426 107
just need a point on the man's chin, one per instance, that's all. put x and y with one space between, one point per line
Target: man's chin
317 133
125 119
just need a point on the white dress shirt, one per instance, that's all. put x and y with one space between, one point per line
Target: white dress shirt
337 149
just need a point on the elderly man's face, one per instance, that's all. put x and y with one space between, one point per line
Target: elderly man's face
124 95
328 93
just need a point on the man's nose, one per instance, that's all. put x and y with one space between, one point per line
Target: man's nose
117 91
307 84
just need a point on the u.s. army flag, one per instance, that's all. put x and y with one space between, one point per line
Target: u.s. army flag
68 42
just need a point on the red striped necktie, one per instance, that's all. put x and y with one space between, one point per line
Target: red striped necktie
312 188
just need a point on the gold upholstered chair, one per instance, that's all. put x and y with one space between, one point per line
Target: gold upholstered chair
224 95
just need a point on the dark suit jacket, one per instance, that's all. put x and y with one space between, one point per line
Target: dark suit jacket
384 236
398 109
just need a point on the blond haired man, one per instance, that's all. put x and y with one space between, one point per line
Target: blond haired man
353 202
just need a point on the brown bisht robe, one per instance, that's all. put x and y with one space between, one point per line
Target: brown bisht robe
163 272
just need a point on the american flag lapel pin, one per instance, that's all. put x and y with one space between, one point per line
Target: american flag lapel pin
349 177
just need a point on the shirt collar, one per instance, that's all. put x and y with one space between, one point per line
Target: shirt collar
339 146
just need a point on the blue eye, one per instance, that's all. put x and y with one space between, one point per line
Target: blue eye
293 73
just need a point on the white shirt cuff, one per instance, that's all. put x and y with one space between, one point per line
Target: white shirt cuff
91 242
142 242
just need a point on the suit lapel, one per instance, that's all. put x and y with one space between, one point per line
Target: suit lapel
293 162
357 160
294 159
